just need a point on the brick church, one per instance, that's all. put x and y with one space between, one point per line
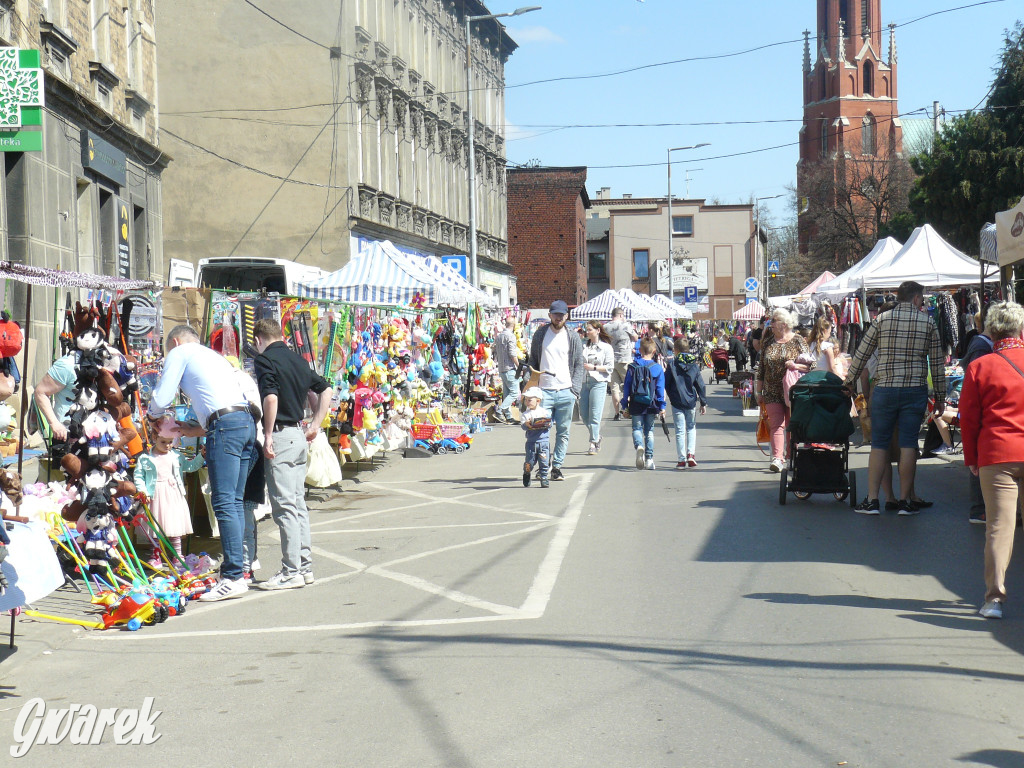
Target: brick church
851 133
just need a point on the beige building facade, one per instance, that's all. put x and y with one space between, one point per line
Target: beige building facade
712 246
81 188
309 130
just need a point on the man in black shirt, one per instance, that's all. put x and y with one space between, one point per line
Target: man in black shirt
285 381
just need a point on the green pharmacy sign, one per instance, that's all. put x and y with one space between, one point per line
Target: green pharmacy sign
21 99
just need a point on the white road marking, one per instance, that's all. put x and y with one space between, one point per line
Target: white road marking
422 527
544 582
532 608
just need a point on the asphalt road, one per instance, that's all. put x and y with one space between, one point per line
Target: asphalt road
618 618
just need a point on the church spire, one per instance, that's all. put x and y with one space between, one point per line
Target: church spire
807 51
892 45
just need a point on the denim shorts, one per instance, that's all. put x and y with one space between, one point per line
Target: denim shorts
897 407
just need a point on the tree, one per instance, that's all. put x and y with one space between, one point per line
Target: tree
977 165
848 204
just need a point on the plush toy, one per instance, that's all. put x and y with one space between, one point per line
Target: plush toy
108 388
100 543
100 430
10 483
85 402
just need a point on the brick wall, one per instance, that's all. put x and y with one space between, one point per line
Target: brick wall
547 234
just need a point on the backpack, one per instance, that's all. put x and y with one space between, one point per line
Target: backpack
641 392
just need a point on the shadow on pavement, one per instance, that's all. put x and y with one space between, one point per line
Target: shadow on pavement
998 758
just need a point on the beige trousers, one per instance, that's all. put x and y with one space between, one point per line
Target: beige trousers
1001 485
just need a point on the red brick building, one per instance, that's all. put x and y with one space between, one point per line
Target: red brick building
851 118
547 234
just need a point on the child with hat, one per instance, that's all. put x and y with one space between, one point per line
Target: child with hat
536 421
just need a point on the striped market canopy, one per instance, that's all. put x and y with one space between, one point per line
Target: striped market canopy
642 310
670 308
600 308
751 311
382 275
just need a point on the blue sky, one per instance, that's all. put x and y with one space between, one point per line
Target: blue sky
949 57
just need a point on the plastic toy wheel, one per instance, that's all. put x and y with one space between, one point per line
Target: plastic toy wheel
441 450
783 478
162 614
853 490
133 625
802 495
461 449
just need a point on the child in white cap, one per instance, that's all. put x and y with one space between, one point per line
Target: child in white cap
536 420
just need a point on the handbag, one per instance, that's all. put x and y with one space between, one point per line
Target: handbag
764 434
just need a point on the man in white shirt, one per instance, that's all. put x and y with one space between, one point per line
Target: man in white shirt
209 382
558 354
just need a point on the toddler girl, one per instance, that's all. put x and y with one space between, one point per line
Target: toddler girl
158 475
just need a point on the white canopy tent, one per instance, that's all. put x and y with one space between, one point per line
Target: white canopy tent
600 307
641 309
852 280
1010 235
671 308
929 260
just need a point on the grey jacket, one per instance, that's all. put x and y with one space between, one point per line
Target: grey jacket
575 355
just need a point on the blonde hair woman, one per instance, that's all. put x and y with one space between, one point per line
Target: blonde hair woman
776 358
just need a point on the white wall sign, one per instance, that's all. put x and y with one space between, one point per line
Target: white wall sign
686 272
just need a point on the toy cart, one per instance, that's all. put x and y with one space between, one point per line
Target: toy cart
428 432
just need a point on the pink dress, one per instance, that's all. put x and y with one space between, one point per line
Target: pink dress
169 505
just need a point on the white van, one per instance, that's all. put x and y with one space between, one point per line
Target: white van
246 273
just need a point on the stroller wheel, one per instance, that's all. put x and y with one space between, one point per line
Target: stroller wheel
783 478
802 495
840 495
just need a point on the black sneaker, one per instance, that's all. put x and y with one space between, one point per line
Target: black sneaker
908 508
526 474
867 507
617 416
556 473
978 518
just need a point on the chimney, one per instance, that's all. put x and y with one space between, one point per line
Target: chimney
627 196
605 193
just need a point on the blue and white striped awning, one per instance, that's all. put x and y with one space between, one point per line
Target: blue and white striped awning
382 275
642 310
670 308
600 307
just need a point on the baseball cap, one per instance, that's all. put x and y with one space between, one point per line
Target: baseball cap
560 307
533 392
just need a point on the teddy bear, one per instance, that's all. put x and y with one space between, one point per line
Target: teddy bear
100 543
10 483
100 431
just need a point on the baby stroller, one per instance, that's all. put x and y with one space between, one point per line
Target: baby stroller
720 364
819 440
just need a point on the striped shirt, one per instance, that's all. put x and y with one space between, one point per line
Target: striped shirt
907 342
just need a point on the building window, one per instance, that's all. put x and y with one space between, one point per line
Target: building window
103 95
6 27
867 134
824 137
869 79
641 259
598 266
682 225
865 22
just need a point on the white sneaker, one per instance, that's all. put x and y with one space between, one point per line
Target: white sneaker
280 581
592 450
226 589
649 464
777 465
993 609
307 577
639 457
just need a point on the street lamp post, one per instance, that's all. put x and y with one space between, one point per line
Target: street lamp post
473 272
761 273
671 260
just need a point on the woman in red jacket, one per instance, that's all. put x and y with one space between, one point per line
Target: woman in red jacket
992 425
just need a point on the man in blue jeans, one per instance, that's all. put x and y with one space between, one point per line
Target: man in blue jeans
558 354
908 345
506 355
209 382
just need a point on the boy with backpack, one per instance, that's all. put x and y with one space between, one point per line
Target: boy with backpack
644 397
685 388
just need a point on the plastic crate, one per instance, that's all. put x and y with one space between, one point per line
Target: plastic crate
453 430
424 431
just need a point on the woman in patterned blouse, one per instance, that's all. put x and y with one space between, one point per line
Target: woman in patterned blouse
776 358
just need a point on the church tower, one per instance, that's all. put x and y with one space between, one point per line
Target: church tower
850 108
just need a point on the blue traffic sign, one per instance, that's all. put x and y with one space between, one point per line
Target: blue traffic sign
773 266
751 284
458 262
690 294
751 299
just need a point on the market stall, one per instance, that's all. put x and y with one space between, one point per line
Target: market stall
753 310
929 260
600 307
642 310
670 308
852 280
